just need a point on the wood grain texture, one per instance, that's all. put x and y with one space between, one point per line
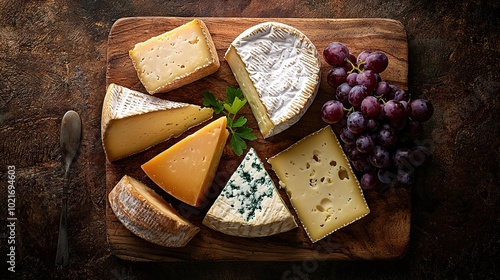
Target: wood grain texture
383 234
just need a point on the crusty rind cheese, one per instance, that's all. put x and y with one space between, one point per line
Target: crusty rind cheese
278 69
320 184
142 211
175 58
168 119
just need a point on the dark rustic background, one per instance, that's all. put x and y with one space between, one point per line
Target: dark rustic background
52 59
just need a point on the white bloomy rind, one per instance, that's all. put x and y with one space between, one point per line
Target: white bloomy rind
284 68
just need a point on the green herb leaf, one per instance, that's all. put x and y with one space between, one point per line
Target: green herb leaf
210 100
232 104
241 121
232 93
235 106
245 133
237 144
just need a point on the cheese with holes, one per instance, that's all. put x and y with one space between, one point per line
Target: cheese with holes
278 69
175 58
249 205
186 170
320 183
132 122
142 211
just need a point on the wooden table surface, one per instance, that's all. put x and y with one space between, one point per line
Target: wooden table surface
53 59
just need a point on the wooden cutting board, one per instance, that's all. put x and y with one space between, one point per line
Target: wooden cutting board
383 234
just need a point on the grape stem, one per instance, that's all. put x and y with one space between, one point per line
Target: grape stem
350 110
355 67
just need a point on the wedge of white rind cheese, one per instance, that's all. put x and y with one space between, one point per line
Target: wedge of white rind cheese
278 69
250 205
132 122
142 211
320 183
175 58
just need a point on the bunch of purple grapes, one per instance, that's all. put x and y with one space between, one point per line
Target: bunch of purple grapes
379 122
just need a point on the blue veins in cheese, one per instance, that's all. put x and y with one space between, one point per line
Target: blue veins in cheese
250 205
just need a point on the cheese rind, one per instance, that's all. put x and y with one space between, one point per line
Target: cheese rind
132 122
186 170
320 183
249 205
175 58
278 69
142 211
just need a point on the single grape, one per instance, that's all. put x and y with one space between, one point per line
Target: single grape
387 136
372 125
342 94
362 56
364 143
357 94
385 176
369 180
335 53
353 153
405 177
401 95
356 122
368 79
379 157
401 158
421 109
407 107
392 91
332 111
351 79
336 76
419 155
376 61
382 89
370 107
347 136
394 109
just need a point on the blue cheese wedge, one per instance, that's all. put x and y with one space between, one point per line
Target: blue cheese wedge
278 69
250 205
320 183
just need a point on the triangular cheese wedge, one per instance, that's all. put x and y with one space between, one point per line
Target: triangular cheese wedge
186 170
249 205
149 216
132 122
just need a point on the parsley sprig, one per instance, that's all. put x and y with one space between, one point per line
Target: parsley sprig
229 107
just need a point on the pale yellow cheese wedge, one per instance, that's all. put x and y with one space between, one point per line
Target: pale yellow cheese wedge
147 215
320 183
132 122
186 170
175 58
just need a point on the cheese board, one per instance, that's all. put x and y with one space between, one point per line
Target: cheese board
383 234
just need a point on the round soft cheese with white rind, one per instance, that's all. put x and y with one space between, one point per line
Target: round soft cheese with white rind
278 69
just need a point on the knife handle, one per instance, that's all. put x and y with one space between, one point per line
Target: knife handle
62 256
